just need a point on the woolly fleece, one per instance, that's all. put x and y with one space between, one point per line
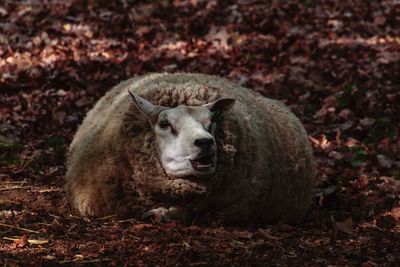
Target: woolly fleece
264 168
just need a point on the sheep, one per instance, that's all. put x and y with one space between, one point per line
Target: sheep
138 152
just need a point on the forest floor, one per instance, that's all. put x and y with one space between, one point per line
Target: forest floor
335 63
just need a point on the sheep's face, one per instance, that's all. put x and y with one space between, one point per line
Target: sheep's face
185 138
185 135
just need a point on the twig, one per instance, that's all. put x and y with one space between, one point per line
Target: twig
127 220
49 190
106 217
84 261
30 241
19 228
14 182
9 201
15 187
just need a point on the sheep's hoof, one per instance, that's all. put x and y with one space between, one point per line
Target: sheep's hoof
159 215
163 215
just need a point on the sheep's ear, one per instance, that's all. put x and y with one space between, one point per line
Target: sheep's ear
149 110
220 106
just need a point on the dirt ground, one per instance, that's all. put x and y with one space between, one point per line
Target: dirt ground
335 63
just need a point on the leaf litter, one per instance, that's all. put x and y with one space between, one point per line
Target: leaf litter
335 64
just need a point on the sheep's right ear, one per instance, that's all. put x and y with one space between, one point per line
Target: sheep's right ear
221 105
149 110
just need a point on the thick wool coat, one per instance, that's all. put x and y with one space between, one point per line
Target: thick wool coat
265 169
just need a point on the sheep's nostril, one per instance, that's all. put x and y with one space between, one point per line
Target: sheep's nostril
203 142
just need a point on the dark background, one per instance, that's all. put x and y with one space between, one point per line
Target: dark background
335 63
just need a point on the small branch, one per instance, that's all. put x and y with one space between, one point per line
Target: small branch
19 228
128 220
14 182
9 201
30 241
15 187
106 217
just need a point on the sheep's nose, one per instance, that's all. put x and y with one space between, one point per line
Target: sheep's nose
204 142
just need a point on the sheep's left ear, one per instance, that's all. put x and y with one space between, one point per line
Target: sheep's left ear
221 105
148 109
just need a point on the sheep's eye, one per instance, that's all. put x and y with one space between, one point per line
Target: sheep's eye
164 124
211 127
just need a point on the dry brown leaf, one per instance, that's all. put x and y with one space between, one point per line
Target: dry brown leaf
142 226
346 226
395 213
21 242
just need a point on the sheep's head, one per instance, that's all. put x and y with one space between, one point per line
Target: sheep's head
185 135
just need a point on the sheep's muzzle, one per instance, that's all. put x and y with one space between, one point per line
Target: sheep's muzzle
203 163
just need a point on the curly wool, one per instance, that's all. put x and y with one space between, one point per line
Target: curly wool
264 169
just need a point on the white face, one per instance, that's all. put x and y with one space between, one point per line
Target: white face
185 135
185 138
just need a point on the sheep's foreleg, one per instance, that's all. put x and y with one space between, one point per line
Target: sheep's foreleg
163 215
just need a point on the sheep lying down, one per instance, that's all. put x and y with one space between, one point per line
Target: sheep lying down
190 146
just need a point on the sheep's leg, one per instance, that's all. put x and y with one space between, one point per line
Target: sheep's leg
86 203
163 215
95 196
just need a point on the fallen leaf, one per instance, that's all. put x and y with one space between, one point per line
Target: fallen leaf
142 226
346 226
21 242
395 213
170 225
389 184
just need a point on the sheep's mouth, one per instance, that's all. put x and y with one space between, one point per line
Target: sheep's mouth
203 164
